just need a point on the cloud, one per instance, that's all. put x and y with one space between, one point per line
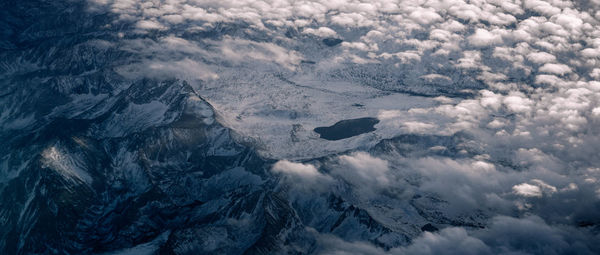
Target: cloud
303 171
517 102
527 190
466 184
149 25
425 15
332 245
239 50
483 38
542 7
559 69
506 235
321 32
302 179
534 236
541 57
417 127
361 168
447 241
186 69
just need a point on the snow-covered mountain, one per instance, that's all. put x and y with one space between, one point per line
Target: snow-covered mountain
188 127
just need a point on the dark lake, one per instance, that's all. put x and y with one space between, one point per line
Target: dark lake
332 41
347 128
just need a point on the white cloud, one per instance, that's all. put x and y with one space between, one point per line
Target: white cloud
242 50
483 38
424 15
541 57
527 190
417 126
436 78
298 170
465 184
321 32
590 53
470 60
533 235
149 25
505 235
447 241
542 7
362 168
517 102
559 69
186 69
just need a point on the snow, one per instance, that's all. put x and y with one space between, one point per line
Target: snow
69 165
279 114
136 117
148 248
